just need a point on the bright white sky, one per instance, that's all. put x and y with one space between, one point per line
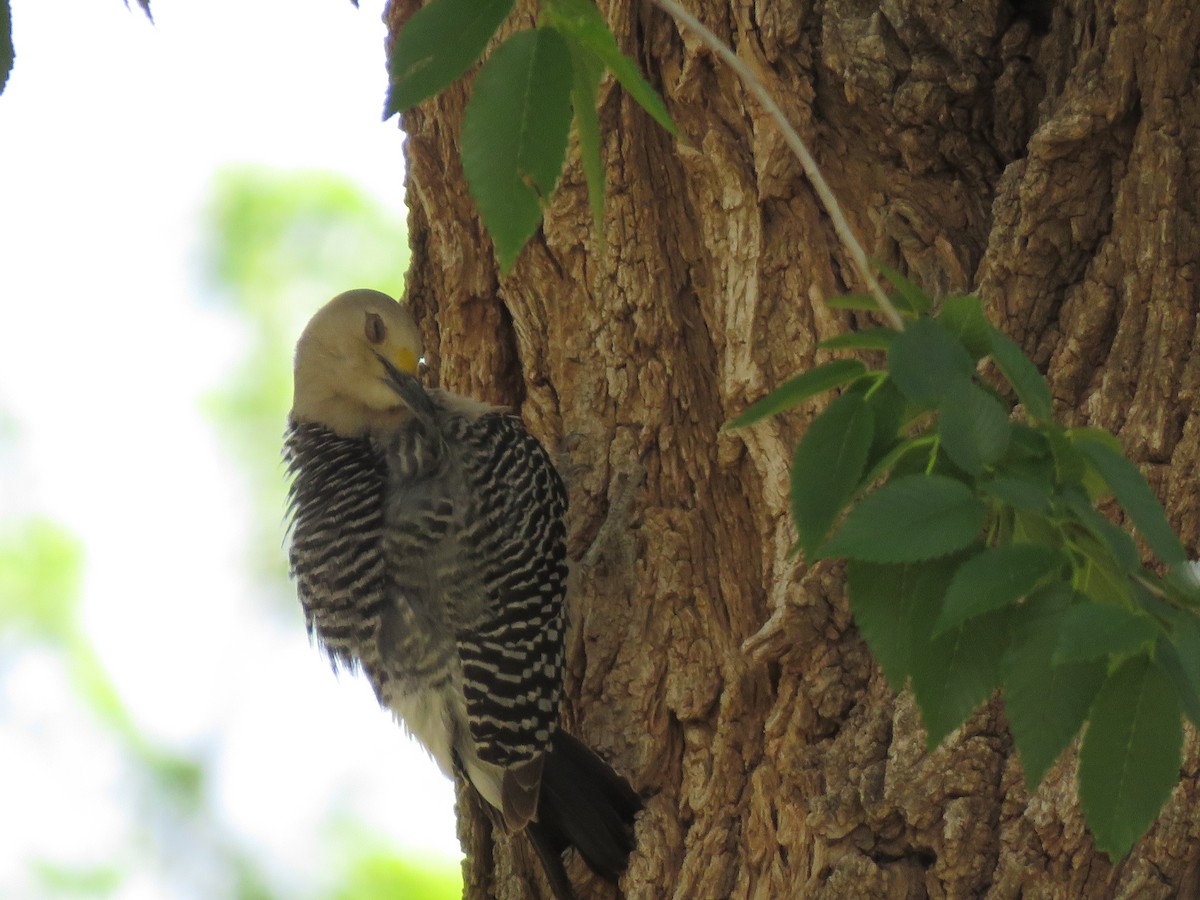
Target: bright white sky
110 130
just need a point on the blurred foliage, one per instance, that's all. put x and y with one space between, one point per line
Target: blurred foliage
275 235
374 872
384 876
81 881
279 245
40 568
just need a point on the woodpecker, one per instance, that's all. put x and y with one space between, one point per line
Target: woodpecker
427 545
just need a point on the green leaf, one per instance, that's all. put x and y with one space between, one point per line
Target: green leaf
1070 465
1046 704
1034 529
890 411
1180 656
925 360
1031 388
515 135
914 298
1028 494
909 519
1028 445
581 20
437 46
958 671
1027 483
963 317
885 464
1107 438
1130 757
1094 630
1149 599
856 300
827 466
1134 494
1097 574
975 428
1120 544
1181 662
894 608
586 73
1183 580
806 384
867 339
997 577
7 55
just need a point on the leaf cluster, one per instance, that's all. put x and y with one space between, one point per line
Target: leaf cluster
516 124
978 560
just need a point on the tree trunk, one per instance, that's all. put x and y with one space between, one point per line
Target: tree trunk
1058 174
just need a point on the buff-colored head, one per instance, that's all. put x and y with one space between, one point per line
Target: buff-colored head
339 379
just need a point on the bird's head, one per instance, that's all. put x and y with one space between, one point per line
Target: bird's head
340 379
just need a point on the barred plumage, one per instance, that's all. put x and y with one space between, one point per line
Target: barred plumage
428 549
472 526
337 529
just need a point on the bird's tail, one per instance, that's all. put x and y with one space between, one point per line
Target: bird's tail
583 804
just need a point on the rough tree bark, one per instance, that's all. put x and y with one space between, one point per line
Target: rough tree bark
1059 174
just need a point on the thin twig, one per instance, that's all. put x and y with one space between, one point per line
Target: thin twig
815 178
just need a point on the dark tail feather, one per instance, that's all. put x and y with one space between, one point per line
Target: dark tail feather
585 804
550 854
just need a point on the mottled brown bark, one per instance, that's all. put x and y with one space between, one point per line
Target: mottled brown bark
1059 174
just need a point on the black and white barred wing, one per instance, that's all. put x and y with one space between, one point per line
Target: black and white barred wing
512 654
335 548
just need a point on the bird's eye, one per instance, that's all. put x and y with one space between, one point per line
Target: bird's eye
376 331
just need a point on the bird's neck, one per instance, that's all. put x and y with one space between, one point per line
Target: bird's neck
348 418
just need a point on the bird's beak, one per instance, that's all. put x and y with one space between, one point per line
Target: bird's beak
406 385
397 367
404 360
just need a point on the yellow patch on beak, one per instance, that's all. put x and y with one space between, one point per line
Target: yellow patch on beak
404 360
